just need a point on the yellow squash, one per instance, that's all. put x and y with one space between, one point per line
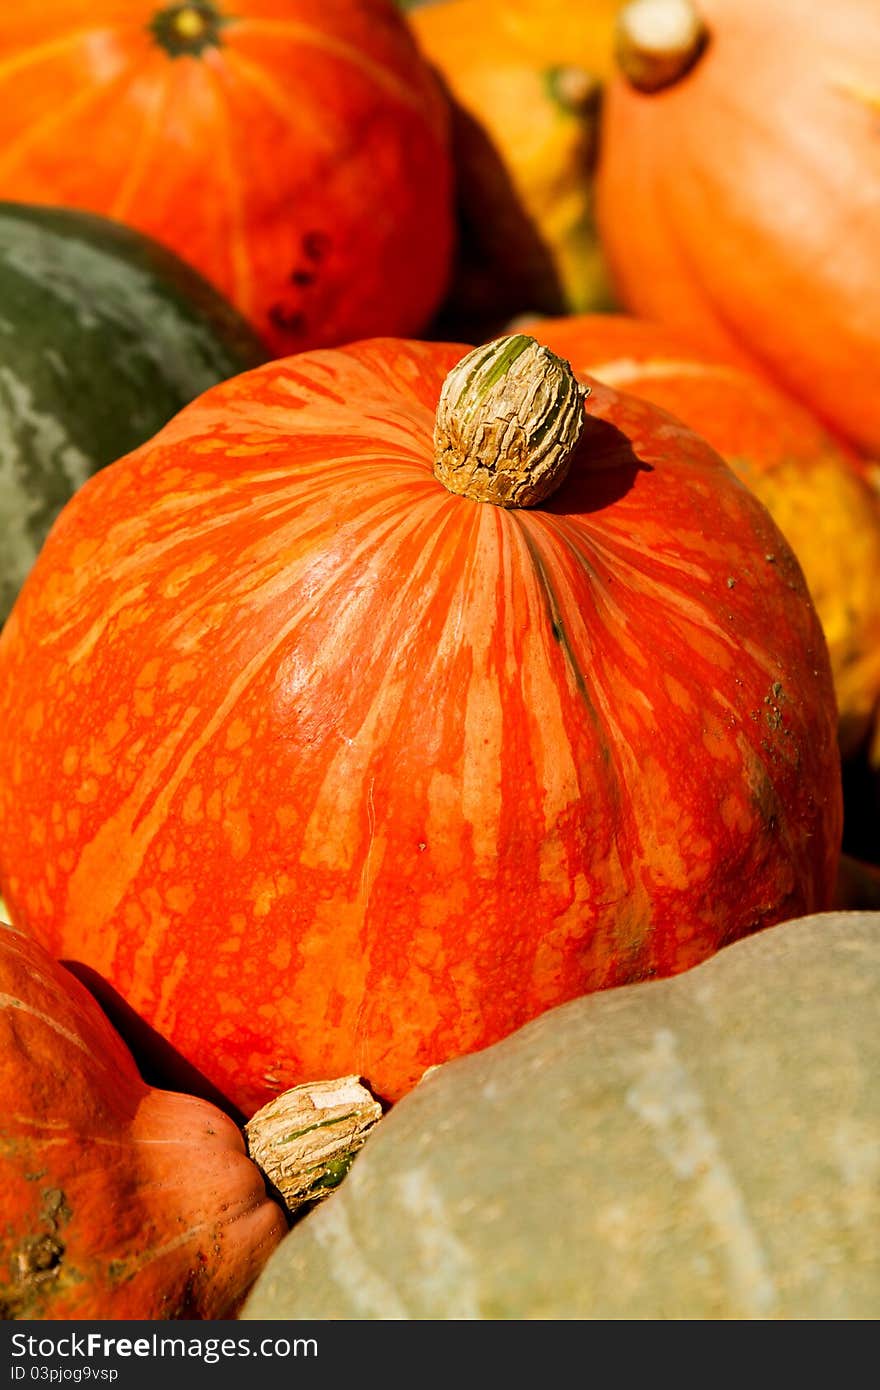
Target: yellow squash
525 77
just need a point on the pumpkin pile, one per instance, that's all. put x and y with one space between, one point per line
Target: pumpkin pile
441 646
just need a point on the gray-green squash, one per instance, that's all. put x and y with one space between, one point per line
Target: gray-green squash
702 1147
104 335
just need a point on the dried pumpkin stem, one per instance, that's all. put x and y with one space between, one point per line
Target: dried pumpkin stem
304 1141
658 41
510 416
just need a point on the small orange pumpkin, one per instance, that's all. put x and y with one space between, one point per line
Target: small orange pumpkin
117 1200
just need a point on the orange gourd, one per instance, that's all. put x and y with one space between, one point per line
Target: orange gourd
739 192
294 151
328 769
117 1200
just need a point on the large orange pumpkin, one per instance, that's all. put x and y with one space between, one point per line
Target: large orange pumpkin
294 151
116 1200
328 770
812 484
739 193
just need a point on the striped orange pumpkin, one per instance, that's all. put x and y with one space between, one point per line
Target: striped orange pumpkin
329 771
813 485
294 151
117 1200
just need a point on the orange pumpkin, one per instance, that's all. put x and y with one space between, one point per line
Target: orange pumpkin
294 151
739 190
812 484
328 770
116 1200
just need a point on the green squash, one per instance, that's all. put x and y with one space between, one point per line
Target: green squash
104 335
701 1147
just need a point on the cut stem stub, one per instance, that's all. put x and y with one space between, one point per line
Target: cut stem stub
658 42
304 1141
510 416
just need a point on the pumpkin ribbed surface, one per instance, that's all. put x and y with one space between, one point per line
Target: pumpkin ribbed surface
329 771
117 1200
294 151
743 200
812 484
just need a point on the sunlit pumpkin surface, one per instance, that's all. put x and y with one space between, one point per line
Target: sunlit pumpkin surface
327 770
294 151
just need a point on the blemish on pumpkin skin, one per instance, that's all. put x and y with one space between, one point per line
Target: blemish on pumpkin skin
773 702
315 245
287 320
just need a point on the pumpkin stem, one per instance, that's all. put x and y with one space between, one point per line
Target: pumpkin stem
574 88
510 415
658 41
188 28
305 1140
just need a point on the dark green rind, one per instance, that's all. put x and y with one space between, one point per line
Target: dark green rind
104 335
698 1148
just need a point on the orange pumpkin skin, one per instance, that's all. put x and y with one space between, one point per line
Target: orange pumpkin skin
743 201
299 159
116 1200
813 485
327 770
